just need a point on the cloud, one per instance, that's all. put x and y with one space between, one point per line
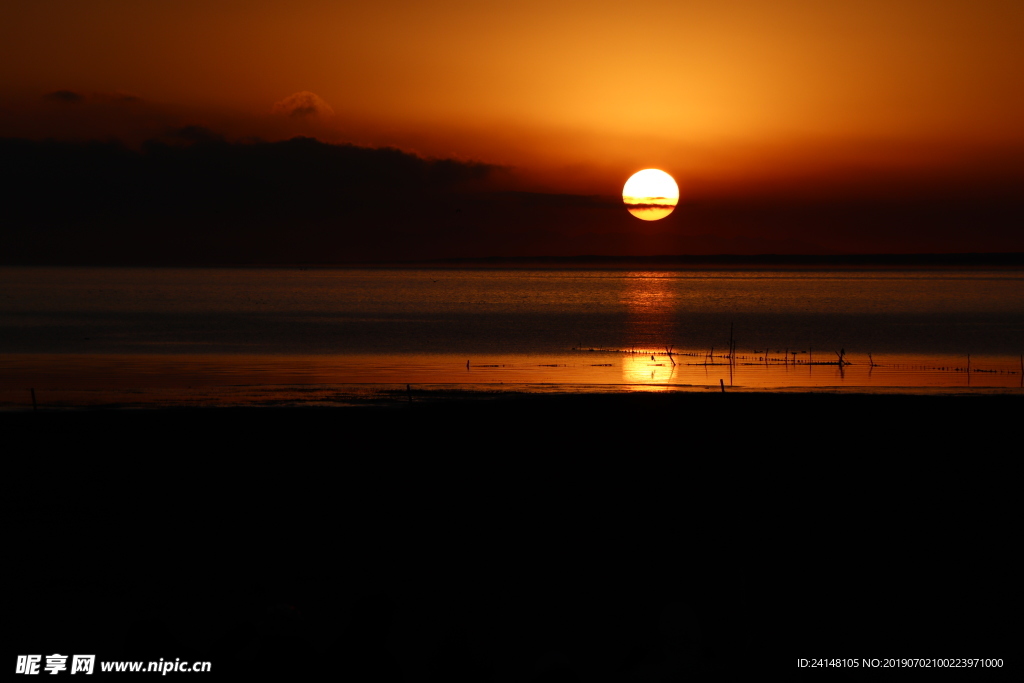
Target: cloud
72 97
643 205
302 104
67 96
203 199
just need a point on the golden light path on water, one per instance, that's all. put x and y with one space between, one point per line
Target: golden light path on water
165 380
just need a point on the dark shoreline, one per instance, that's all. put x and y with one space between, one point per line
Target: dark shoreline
686 535
940 261
742 261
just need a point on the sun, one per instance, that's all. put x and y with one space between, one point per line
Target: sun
650 194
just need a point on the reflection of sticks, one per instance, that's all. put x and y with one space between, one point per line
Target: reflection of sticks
722 383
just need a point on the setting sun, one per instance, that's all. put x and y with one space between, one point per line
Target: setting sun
650 194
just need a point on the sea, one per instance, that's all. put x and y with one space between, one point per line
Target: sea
75 337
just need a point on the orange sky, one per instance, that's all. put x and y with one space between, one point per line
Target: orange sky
733 98
591 82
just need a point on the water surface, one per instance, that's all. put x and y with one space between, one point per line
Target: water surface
100 332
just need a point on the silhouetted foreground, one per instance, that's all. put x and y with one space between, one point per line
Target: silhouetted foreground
545 538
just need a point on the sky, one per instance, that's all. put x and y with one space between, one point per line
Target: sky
790 126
